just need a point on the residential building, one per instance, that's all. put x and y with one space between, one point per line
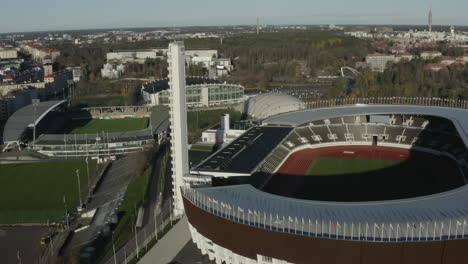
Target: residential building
8 53
430 54
112 71
378 62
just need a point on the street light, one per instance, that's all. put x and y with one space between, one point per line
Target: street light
79 188
113 248
89 183
35 102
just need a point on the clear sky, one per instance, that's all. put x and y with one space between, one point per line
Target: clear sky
38 15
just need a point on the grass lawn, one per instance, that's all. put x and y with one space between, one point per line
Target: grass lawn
324 166
208 148
197 121
133 199
33 192
94 126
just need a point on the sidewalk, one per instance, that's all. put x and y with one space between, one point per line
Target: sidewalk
169 246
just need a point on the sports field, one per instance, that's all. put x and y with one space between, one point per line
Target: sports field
363 173
94 126
34 192
324 166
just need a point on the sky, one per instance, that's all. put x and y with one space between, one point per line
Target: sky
45 15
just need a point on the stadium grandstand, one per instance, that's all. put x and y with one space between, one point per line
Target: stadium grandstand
201 92
51 129
356 180
19 126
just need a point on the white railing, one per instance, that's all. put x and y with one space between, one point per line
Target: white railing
422 101
330 228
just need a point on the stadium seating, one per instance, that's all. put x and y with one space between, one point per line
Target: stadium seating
423 131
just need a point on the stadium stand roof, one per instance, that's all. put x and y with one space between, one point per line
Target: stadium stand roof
437 207
24 118
163 84
246 152
270 104
459 117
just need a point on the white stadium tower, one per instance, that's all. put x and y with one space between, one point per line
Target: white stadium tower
178 118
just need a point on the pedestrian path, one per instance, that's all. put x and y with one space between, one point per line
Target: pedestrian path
169 246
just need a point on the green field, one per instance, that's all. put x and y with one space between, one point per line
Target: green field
94 126
33 192
352 179
324 166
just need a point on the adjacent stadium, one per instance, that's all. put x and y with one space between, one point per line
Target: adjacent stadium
53 129
381 180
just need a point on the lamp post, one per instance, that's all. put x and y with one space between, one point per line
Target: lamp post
79 187
113 248
35 103
89 183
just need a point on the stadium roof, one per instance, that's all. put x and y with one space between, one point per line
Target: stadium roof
443 206
26 117
245 153
270 104
163 84
459 117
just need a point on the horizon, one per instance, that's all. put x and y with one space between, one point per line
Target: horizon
227 25
55 15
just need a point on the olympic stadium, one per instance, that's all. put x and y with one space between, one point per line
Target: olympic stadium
355 180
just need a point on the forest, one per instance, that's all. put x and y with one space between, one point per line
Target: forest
410 78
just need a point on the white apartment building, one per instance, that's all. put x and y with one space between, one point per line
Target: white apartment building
378 62
9 53
430 54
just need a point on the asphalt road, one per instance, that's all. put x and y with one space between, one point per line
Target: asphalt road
22 241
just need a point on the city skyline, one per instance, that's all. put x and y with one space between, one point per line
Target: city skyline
30 16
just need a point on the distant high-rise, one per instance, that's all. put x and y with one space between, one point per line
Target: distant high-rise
258 25
430 20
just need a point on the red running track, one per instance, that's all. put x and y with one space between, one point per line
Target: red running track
299 162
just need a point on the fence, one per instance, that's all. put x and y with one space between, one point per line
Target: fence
140 241
421 101
446 229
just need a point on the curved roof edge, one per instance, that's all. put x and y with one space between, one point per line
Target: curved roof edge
25 117
459 117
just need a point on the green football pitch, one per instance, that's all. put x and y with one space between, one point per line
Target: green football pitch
324 166
34 192
94 126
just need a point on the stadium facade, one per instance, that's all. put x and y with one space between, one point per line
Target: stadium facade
200 92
